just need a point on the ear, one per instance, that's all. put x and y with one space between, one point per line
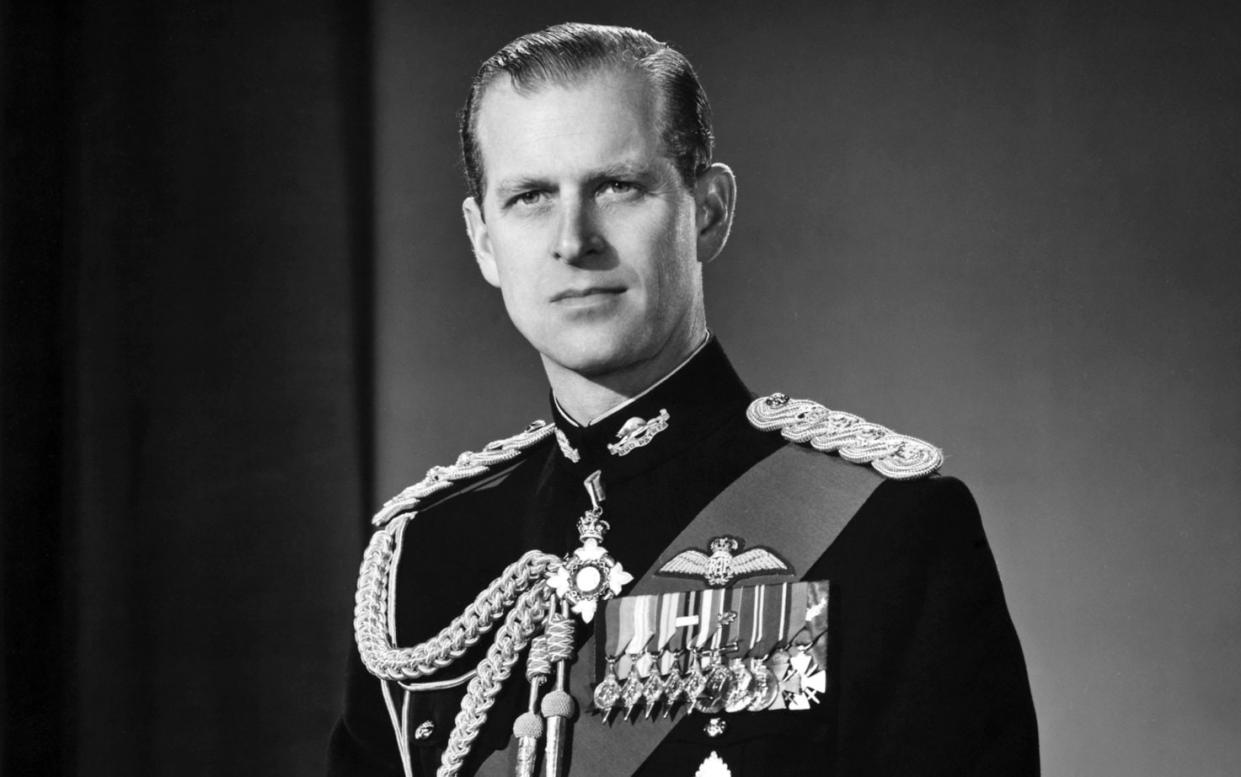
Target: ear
715 194
480 238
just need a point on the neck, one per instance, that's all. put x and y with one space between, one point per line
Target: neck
586 398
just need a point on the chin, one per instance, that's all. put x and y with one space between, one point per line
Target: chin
593 357
592 364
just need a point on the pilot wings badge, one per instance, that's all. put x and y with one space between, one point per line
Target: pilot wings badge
721 567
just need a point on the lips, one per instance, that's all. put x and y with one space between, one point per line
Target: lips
588 291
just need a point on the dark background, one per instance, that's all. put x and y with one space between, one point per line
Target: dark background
238 310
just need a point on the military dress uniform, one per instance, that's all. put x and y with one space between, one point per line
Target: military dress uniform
924 675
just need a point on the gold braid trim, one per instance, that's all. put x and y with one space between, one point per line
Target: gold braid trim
854 439
469 464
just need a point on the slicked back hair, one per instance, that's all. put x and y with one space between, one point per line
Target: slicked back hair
567 52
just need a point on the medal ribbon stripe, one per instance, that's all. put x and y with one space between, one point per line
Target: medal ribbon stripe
611 629
797 612
625 634
706 599
719 626
756 619
744 628
724 620
782 630
691 618
669 609
651 627
642 626
817 626
769 623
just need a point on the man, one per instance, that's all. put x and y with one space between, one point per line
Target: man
827 617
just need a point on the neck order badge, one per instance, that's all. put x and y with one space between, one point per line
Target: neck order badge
589 575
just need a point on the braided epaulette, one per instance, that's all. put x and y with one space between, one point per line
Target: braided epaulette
854 439
468 465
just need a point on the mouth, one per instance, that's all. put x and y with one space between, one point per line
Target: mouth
587 294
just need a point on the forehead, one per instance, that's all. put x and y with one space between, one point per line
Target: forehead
554 130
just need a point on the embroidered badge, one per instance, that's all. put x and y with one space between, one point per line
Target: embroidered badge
636 433
721 567
566 448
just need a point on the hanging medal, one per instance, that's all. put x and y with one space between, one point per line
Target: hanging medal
674 680
607 692
653 686
639 610
695 680
811 674
741 694
778 660
674 677
589 575
714 691
653 691
791 681
624 636
765 689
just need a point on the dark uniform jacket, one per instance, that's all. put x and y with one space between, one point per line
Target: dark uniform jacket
926 672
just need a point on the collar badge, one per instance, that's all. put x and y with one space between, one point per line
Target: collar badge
721 567
637 432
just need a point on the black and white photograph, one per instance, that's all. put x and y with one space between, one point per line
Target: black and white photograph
703 389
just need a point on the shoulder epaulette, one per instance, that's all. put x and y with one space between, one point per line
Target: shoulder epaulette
852 438
468 465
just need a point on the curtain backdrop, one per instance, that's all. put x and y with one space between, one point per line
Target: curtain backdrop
186 387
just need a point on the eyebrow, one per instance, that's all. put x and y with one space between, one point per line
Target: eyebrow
511 186
624 170
515 185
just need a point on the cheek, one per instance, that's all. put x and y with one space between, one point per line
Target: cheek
518 297
516 272
675 258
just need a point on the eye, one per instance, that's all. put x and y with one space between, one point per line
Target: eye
531 197
619 187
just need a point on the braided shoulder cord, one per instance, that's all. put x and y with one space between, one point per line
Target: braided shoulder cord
370 622
854 439
469 464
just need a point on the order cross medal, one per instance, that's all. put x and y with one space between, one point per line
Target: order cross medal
589 575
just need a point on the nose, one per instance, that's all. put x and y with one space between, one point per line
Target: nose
577 235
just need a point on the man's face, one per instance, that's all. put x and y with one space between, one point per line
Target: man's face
586 227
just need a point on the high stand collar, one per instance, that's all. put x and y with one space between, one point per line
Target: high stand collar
676 412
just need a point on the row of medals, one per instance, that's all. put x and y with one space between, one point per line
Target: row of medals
703 681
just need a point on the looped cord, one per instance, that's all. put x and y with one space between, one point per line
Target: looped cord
520 597
480 694
370 615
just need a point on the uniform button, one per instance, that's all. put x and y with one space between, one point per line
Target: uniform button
425 729
715 727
